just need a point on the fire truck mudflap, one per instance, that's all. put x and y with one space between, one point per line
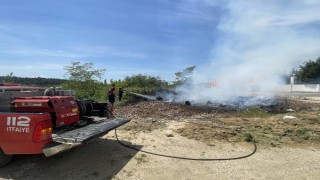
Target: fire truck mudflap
65 140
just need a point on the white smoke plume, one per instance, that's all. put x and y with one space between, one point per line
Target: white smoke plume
260 41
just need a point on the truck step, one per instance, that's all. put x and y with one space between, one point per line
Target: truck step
63 141
86 133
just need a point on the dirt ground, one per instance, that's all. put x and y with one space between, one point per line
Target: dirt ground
287 136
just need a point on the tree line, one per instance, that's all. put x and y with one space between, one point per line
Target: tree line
308 72
85 79
36 81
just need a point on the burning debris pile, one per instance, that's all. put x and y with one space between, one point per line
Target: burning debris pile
174 111
272 104
237 102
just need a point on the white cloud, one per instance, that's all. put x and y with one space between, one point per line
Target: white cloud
78 51
246 16
40 53
198 11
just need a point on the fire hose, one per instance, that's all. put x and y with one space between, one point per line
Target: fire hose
187 158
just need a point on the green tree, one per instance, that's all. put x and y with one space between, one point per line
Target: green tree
8 78
309 71
144 84
184 76
145 81
83 78
83 72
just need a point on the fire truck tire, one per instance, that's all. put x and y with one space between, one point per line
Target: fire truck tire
4 159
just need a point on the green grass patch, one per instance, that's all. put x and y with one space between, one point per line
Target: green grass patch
304 133
253 112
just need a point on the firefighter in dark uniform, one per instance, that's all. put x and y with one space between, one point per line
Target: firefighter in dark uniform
120 93
111 97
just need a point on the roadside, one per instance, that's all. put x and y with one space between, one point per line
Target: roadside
266 163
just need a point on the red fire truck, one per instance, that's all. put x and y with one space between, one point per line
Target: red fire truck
31 123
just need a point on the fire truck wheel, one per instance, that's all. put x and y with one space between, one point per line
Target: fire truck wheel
4 159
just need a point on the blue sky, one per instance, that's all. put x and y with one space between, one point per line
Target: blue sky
157 37
126 37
